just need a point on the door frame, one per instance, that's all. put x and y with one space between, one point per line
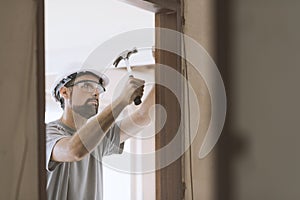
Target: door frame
167 15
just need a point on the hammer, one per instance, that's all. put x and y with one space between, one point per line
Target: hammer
125 56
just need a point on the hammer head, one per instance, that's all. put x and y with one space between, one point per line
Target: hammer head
124 55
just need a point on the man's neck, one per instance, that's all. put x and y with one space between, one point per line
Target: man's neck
72 119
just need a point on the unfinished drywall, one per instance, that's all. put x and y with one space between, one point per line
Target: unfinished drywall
19 136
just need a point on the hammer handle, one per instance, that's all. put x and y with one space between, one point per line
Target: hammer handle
137 101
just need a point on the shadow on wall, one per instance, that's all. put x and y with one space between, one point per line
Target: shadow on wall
231 145
258 57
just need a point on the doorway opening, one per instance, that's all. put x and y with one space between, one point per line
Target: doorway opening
74 29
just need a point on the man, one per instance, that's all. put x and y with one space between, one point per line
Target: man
77 141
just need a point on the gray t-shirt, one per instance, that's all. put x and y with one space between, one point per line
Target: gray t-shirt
80 180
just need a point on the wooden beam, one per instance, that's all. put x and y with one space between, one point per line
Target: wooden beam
41 98
155 6
169 179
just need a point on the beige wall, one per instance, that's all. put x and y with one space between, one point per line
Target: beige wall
18 143
258 153
264 84
200 25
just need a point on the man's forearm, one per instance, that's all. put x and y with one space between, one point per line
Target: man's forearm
93 132
141 118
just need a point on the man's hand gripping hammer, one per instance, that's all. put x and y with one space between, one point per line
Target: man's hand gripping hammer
125 56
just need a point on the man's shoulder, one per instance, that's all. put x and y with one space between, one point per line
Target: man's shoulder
57 127
53 124
54 127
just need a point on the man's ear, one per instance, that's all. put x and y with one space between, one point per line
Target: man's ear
64 92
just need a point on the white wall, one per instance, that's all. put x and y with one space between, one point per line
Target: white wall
74 29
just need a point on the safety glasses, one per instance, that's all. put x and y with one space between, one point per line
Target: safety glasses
89 86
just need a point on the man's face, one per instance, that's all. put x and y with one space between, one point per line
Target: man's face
84 99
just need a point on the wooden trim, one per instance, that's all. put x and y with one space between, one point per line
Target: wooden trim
41 99
155 6
169 179
228 143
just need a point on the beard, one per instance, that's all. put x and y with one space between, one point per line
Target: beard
86 110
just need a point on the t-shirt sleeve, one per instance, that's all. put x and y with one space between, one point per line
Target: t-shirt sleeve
111 142
52 137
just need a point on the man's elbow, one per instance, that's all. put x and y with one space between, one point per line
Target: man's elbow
77 156
78 153
142 119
